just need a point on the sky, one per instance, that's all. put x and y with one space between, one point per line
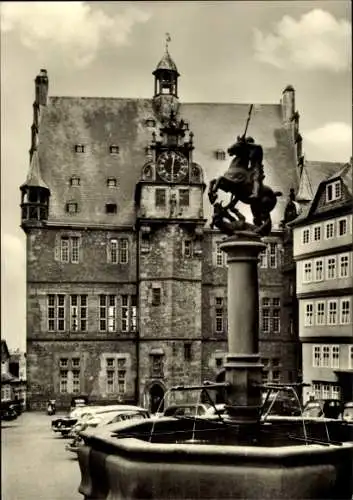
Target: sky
226 51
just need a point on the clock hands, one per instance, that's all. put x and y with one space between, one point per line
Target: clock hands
172 168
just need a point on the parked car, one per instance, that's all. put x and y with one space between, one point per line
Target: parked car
323 408
78 401
186 410
104 416
64 424
8 411
347 414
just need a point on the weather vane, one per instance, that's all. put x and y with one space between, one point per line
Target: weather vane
167 40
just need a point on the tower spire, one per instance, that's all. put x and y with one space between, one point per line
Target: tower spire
168 39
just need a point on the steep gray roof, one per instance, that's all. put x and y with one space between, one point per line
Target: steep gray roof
313 173
100 122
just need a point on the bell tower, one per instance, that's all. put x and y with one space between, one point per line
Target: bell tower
166 76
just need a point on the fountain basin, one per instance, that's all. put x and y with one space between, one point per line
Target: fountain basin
119 467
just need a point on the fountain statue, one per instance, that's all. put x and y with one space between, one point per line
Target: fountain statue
241 455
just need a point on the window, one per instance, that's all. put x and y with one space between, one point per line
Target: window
107 313
79 148
332 312
350 357
78 313
276 321
320 313
56 313
156 296
307 272
157 365
316 356
116 375
317 391
160 195
219 315
187 352
263 259
220 255
184 197
342 226
325 356
335 358
331 268
306 236
118 251
110 381
344 265
329 230
70 249
219 362
72 207
336 392
76 362
265 310
187 248
333 191
220 154
63 362
345 312
112 182
145 244
76 381
318 270
114 149
276 376
273 255
63 381
317 233
308 318
325 391
75 181
128 313
111 208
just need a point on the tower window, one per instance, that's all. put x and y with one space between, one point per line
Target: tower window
75 181
114 150
111 208
187 248
187 351
156 296
160 197
112 182
79 148
220 154
150 122
71 207
184 197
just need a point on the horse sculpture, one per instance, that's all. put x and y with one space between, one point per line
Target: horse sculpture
244 180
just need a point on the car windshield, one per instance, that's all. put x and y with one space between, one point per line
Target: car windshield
348 412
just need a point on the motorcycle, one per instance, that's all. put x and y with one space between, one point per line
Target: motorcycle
51 409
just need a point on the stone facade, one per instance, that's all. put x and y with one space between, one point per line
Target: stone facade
127 295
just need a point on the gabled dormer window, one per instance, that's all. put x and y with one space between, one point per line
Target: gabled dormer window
111 208
79 148
114 149
220 154
75 181
333 191
112 182
72 207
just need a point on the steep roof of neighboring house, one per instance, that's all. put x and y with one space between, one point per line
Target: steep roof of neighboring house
4 350
336 171
34 178
101 122
313 173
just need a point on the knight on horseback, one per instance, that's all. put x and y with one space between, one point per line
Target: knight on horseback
244 180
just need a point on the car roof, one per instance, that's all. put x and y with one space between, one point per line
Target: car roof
110 408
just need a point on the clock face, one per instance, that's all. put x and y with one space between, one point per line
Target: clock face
172 166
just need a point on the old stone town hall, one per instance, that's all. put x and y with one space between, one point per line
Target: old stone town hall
126 286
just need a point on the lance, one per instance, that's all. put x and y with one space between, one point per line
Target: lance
247 121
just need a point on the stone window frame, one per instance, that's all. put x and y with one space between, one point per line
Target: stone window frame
80 148
128 313
114 149
156 296
118 250
107 312
78 312
112 182
116 373
345 311
75 181
333 191
56 312
111 208
70 252
320 312
71 207
187 351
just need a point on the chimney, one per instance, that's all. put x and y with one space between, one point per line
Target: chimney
41 88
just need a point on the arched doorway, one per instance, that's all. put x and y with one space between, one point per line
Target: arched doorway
156 398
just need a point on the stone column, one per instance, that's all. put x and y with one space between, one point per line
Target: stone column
243 367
